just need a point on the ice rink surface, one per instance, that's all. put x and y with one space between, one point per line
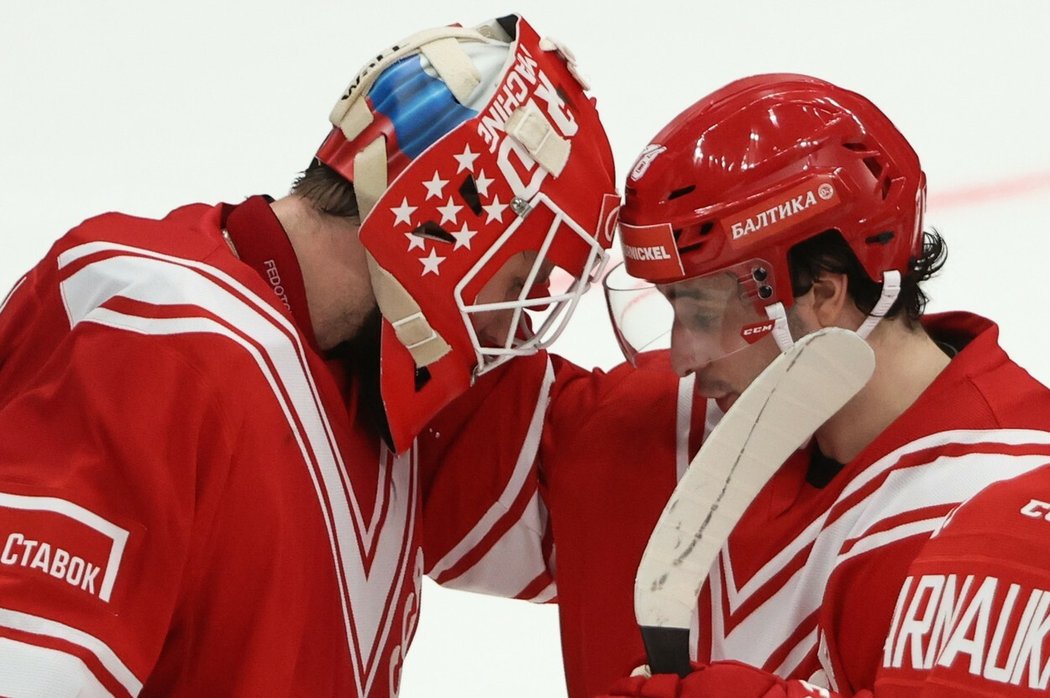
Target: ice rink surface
142 106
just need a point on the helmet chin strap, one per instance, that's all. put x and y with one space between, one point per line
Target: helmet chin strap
891 288
781 333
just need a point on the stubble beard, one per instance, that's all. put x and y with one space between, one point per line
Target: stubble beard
360 357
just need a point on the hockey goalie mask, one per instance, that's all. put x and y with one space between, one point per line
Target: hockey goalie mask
486 189
729 186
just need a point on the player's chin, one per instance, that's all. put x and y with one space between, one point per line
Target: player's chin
726 401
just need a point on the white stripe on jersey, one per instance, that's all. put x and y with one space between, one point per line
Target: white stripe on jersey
683 422
7 298
547 595
1008 437
16 620
511 556
158 279
527 552
30 671
912 488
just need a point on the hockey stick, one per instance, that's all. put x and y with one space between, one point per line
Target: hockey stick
770 420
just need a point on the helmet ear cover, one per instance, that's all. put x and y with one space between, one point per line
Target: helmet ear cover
467 147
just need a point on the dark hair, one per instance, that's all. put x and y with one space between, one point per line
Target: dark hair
326 190
829 252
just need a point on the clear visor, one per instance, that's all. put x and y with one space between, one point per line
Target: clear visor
526 303
705 318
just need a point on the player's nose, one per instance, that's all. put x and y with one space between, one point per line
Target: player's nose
689 353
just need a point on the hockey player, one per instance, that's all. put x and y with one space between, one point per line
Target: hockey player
775 206
971 617
196 495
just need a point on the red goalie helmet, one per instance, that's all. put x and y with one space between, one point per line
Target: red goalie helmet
485 183
731 184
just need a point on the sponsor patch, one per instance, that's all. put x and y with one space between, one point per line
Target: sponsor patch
63 541
779 212
649 251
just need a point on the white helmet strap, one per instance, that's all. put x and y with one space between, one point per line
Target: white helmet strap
781 332
891 288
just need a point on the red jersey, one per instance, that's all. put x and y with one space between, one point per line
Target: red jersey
818 560
187 505
973 613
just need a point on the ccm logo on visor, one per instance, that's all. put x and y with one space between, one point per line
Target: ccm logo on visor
756 331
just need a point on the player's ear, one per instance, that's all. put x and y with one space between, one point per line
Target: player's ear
831 299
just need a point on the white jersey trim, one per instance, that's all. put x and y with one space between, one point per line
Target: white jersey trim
11 293
30 669
934 483
533 517
683 422
158 279
515 569
24 622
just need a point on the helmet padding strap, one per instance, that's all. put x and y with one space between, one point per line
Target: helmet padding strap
534 131
403 313
349 112
370 175
453 66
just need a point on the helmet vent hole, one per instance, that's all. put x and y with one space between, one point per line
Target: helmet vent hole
887 185
422 378
469 191
874 166
681 192
706 227
882 238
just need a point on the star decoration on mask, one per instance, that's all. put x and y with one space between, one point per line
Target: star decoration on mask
482 183
403 213
435 187
463 236
463 202
466 159
415 241
494 210
449 211
431 263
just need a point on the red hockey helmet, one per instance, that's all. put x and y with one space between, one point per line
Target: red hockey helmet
476 157
733 182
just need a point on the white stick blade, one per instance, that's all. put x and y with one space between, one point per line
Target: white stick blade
799 391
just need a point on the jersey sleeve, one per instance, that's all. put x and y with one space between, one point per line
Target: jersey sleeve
973 613
486 527
101 454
